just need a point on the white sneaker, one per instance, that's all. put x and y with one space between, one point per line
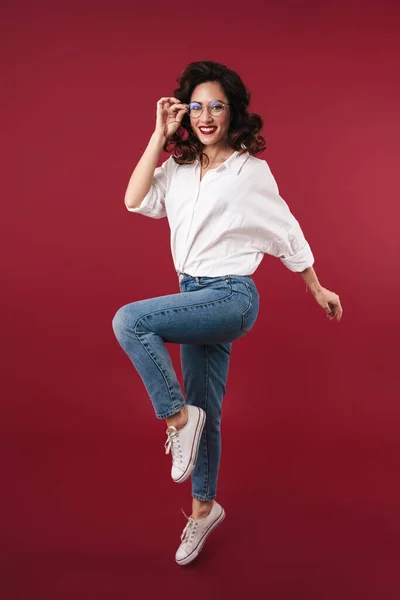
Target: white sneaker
185 443
196 532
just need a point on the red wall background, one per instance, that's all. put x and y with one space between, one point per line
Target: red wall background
310 466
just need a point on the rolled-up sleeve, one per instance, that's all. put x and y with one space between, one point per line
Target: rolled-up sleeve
153 204
285 238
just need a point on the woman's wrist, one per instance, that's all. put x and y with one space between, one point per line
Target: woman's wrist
158 138
311 280
314 287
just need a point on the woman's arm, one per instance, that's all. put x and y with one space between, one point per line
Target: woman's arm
140 182
170 112
285 239
328 300
310 279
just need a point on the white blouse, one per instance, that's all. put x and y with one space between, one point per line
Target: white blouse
225 223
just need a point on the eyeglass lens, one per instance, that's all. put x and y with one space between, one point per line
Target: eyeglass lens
215 108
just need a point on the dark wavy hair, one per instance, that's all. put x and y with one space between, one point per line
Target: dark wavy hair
244 127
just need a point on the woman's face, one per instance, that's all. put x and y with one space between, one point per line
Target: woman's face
203 94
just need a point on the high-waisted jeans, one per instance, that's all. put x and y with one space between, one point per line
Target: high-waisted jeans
205 318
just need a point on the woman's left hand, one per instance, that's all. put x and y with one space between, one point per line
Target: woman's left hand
330 303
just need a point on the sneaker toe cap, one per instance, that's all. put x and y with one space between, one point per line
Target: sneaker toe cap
180 554
176 473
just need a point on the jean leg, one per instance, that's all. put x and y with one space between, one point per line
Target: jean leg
148 353
205 372
209 314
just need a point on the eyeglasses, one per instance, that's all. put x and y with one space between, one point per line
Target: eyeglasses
215 108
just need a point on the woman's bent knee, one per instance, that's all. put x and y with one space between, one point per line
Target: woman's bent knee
118 323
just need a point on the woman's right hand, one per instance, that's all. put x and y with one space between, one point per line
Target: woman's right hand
170 112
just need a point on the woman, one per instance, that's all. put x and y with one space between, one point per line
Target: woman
225 213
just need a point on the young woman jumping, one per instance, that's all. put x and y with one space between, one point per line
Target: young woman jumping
224 212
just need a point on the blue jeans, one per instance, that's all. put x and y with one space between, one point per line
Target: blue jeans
205 318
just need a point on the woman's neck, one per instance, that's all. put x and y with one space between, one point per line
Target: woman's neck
217 155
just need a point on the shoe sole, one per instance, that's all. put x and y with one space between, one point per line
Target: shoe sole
195 448
196 551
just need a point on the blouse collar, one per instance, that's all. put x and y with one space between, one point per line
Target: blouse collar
234 162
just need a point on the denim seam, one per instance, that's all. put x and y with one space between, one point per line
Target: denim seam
208 283
173 401
206 481
167 310
244 314
233 292
169 413
202 498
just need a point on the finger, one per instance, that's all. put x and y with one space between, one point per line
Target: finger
337 311
330 311
176 107
168 100
181 114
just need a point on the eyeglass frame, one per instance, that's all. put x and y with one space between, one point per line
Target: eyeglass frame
208 107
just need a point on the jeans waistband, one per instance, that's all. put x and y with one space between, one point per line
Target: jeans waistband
182 275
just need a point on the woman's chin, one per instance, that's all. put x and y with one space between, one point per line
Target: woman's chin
206 142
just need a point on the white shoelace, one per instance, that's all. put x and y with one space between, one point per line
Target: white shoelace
173 443
189 530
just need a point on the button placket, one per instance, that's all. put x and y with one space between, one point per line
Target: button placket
191 221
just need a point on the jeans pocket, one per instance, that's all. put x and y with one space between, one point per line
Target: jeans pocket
249 315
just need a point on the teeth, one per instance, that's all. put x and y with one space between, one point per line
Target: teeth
207 128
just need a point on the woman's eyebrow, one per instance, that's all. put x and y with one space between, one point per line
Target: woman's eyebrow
214 100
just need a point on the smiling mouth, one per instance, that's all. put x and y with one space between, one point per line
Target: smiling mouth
207 130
